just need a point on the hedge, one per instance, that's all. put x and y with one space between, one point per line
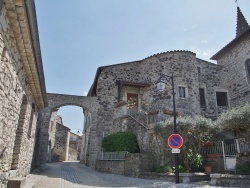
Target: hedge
120 141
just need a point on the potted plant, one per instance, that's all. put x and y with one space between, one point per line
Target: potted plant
246 153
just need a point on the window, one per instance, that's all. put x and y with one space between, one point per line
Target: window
221 98
202 97
248 68
199 70
182 93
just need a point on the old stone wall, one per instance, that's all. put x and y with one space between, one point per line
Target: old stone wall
133 165
61 142
75 143
151 144
216 163
234 76
115 167
184 66
210 81
18 110
137 163
55 118
127 123
56 101
84 156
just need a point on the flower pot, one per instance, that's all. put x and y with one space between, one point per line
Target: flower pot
209 144
246 153
208 169
214 155
240 154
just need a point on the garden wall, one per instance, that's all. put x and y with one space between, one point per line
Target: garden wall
216 163
132 166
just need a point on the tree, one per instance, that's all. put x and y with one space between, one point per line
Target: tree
196 131
236 119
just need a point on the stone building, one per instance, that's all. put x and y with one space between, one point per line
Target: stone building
63 144
202 88
55 121
61 147
75 143
22 87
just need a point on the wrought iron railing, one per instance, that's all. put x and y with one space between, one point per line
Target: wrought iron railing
243 145
213 147
136 112
222 147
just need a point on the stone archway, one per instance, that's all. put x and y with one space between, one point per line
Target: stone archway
56 101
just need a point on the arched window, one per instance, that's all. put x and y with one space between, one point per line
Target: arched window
248 67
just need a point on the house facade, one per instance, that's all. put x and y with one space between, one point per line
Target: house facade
22 87
201 88
75 143
58 139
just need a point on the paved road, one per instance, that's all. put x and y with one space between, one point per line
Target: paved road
76 175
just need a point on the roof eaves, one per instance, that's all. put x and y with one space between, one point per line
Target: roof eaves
229 45
32 19
92 90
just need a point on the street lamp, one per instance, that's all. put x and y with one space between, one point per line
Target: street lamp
77 148
161 85
78 132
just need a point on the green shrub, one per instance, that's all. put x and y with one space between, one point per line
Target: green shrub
243 168
197 163
120 141
163 169
195 131
182 169
236 119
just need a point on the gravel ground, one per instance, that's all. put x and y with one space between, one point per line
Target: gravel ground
76 175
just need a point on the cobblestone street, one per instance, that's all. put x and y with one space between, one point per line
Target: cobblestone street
76 175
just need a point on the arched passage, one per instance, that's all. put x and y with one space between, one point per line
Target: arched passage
56 101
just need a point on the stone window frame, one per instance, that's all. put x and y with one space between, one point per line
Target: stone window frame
247 66
199 69
228 97
132 90
205 96
133 95
186 91
32 113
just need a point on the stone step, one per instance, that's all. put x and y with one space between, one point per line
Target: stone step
17 182
13 173
29 185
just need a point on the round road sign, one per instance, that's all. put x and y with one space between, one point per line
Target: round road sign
175 141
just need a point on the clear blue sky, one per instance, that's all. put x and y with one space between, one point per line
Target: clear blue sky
78 36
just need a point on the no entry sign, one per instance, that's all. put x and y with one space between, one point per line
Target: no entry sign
175 141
